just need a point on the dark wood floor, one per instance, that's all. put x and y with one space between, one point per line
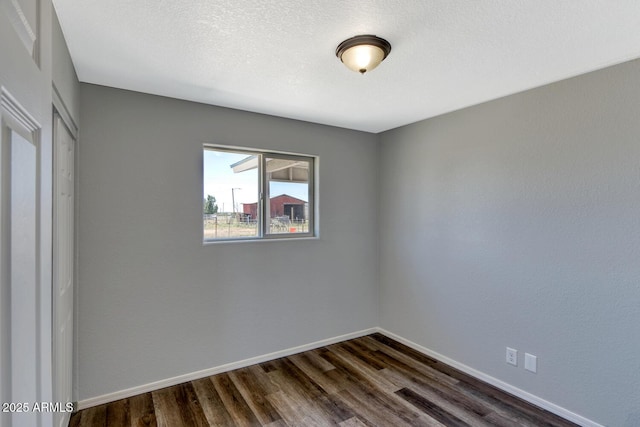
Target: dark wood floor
370 381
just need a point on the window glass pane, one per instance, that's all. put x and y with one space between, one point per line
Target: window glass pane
231 191
288 187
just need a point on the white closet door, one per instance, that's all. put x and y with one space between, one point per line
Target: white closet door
64 146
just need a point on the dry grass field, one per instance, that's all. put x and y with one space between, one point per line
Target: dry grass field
228 227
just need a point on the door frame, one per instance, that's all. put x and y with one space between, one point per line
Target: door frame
14 118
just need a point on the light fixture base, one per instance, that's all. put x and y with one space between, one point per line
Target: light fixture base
363 53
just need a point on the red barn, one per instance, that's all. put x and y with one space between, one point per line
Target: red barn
282 205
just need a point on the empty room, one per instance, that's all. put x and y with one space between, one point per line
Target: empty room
349 213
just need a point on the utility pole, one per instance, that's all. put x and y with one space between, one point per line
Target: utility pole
233 200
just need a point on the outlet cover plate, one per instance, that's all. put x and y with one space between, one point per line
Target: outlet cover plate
512 356
531 362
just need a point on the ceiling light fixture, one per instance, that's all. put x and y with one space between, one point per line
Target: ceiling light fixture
363 53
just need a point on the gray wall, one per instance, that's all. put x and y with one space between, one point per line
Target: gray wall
517 223
153 302
512 223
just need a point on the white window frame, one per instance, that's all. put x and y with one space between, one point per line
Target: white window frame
264 197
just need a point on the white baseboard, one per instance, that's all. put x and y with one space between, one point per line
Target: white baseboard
156 385
551 407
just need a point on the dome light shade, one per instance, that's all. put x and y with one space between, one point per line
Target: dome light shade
363 53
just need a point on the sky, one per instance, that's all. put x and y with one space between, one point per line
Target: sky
219 180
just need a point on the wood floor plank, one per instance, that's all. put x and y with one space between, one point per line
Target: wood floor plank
317 361
141 411
357 349
431 409
498 420
404 375
392 403
269 366
410 369
311 400
359 361
314 371
464 408
94 417
191 411
168 413
510 407
337 411
309 388
373 411
118 414
352 422
404 349
360 388
251 390
74 421
368 381
262 378
358 369
343 379
530 413
289 408
417 365
279 423
212 405
235 404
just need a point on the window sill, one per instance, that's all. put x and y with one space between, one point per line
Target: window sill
274 239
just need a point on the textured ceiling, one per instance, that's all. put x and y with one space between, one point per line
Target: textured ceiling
278 56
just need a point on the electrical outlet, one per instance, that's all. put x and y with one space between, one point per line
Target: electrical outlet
512 356
531 362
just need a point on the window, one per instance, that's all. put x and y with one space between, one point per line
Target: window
256 194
